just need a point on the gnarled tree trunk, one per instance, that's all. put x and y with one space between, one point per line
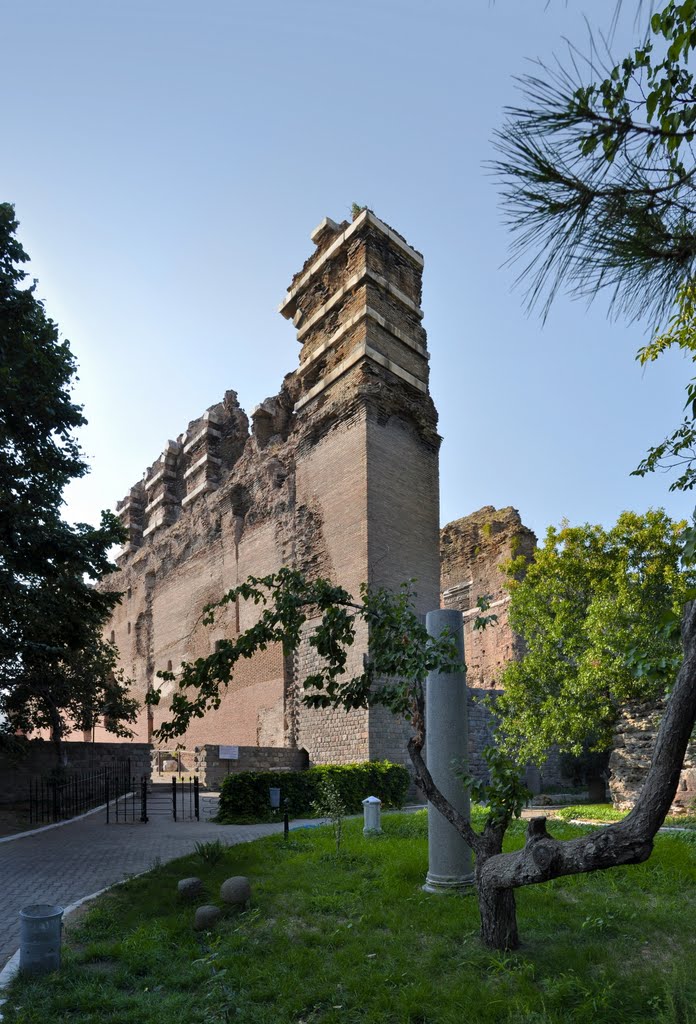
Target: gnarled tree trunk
498 916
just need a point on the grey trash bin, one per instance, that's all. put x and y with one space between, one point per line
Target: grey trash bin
39 938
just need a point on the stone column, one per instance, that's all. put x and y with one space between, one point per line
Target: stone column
449 858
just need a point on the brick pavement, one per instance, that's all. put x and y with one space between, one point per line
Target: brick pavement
63 865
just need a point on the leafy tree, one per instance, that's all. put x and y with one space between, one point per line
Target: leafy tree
598 174
597 611
401 656
55 669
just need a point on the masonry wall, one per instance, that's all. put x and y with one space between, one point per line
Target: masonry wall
337 475
634 741
212 769
39 759
473 551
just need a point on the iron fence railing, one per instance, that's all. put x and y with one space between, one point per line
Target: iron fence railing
125 806
66 795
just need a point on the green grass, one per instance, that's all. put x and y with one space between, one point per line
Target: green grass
356 941
606 813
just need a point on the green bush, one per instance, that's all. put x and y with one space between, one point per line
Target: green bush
245 794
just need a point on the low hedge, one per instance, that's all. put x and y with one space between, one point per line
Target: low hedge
245 794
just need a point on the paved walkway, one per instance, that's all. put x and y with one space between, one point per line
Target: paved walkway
63 865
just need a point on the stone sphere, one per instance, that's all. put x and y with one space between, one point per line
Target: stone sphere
206 917
190 888
236 891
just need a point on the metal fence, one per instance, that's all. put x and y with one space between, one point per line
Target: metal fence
186 799
125 806
67 795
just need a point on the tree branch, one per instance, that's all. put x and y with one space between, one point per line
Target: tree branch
455 818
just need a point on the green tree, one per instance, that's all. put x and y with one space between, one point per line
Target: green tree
598 177
55 669
597 611
401 655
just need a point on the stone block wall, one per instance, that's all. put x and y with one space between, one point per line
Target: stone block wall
39 759
547 779
634 741
211 769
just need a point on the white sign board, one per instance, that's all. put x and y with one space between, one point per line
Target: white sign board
228 753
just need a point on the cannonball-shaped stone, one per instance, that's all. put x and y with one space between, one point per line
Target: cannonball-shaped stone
236 891
206 917
189 888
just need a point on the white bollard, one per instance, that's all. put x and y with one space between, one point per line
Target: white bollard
372 807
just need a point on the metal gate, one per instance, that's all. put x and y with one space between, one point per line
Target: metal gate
186 799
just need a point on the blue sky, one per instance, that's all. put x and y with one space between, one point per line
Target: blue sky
168 161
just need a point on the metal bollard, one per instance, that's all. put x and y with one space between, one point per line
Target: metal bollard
39 942
143 799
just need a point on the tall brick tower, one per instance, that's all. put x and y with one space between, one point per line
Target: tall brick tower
336 475
367 444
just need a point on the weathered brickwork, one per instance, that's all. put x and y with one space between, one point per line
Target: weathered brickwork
337 475
473 551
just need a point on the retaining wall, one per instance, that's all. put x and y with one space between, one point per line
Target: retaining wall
39 759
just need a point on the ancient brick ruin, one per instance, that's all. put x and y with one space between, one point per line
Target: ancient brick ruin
337 475
634 741
473 551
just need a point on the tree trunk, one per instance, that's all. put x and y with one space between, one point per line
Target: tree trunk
498 917
56 733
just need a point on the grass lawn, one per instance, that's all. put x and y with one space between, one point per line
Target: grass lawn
605 812
355 939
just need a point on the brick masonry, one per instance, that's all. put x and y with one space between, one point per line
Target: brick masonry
336 475
473 551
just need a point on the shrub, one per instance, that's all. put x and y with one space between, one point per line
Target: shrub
245 794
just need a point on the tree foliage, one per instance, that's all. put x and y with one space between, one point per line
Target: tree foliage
678 450
598 176
402 652
55 669
598 612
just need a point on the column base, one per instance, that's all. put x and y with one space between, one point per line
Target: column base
440 884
